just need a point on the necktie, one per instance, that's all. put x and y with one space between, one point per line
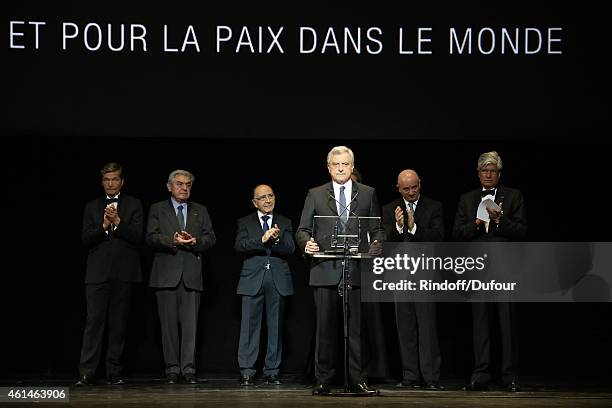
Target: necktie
487 192
265 227
111 200
343 209
411 205
181 218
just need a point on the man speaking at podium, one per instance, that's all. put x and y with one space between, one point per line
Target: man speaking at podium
341 197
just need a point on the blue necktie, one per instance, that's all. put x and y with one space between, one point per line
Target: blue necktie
343 209
181 218
265 227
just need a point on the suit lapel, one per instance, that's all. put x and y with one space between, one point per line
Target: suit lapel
171 215
354 202
420 210
499 196
475 202
255 225
192 215
120 206
331 199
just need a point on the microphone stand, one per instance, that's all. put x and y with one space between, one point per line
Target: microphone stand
344 291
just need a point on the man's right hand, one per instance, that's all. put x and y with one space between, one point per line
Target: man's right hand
399 217
311 247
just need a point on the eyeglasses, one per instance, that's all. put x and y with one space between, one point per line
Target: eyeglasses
265 197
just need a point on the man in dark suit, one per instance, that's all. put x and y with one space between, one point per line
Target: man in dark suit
340 197
507 224
179 231
264 239
414 218
112 231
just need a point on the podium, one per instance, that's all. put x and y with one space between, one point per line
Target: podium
347 239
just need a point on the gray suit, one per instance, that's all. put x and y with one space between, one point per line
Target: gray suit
325 275
265 278
177 276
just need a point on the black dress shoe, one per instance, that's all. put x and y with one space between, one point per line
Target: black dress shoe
475 386
514 387
246 380
172 378
432 386
84 380
363 388
273 379
409 384
115 381
190 378
321 389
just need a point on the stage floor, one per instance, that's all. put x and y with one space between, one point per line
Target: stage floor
226 392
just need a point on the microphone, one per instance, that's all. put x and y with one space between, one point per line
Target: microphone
346 208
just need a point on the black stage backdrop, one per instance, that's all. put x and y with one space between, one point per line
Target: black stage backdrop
236 119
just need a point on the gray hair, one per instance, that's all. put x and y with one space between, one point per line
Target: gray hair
489 158
179 172
339 150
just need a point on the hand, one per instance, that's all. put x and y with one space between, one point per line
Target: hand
494 215
184 238
311 247
106 222
375 248
275 232
267 235
399 217
112 214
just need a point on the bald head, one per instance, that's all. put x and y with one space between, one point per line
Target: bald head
409 185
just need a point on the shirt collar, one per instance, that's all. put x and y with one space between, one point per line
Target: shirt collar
175 203
415 203
260 214
348 185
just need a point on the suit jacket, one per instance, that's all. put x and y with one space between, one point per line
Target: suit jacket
113 256
172 262
427 216
512 225
255 253
320 201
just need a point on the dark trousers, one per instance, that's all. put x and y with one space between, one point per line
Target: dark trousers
418 341
178 313
250 328
482 313
329 321
373 341
104 299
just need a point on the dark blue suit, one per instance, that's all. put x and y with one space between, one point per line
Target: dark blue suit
265 278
